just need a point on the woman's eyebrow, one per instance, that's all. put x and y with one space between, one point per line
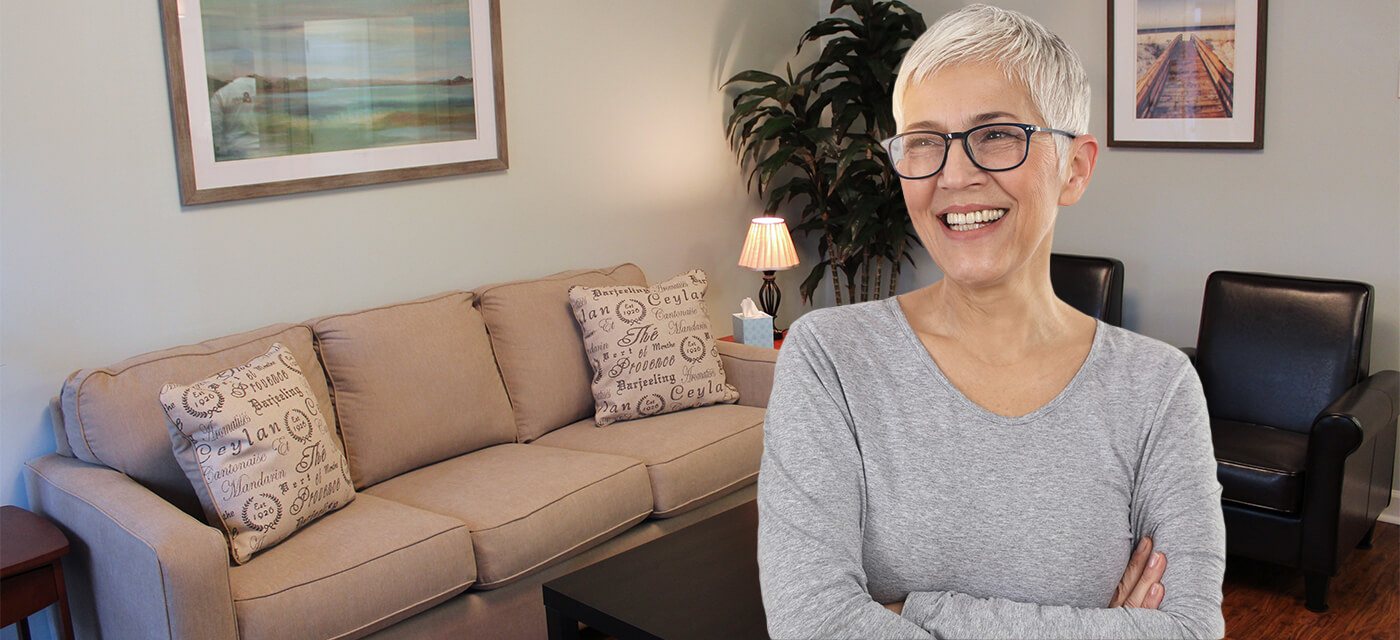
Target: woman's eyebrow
929 125
990 116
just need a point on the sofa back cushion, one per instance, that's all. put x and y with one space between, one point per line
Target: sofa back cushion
413 383
112 415
539 347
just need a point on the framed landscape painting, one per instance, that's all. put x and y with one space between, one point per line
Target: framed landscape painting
1186 73
271 98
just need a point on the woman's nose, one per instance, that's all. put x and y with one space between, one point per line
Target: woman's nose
959 171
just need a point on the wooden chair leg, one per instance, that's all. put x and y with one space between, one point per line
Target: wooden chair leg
1315 584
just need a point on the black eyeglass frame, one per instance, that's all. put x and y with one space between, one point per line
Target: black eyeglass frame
1030 130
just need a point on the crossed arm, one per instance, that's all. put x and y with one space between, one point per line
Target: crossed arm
1140 586
810 508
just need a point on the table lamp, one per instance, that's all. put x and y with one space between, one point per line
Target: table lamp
768 248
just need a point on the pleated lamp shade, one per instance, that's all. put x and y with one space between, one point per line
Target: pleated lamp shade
768 246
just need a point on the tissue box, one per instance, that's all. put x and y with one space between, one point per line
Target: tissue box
754 331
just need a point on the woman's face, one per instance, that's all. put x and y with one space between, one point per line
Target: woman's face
959 98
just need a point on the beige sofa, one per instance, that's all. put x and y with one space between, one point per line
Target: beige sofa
466 419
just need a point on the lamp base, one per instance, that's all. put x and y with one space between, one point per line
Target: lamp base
769 297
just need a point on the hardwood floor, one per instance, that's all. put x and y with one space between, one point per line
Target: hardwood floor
1266 601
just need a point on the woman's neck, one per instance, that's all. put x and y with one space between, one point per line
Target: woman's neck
1004 323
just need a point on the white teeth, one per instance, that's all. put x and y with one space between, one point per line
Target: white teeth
973 219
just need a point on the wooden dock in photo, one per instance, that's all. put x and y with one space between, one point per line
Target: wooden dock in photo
1187 81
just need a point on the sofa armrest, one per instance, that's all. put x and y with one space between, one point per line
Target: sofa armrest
138 567
749 369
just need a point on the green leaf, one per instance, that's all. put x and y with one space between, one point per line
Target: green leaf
813 280
771 165
754 76
772 127
827 27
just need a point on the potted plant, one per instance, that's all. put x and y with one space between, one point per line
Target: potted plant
825 123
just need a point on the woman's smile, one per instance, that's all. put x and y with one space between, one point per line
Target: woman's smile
971 225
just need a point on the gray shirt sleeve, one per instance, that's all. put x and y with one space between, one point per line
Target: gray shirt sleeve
811 509
811 526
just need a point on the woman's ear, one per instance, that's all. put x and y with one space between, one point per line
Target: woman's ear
1083 154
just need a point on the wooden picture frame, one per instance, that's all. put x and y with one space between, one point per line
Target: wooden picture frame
307 95
1176 78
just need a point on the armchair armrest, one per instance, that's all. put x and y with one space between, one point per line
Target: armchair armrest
1350 466
138 567
1360 414
1190 353
749 369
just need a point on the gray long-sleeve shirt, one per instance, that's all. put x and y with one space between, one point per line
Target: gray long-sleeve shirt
881 482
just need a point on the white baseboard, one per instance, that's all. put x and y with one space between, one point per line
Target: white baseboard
1392 513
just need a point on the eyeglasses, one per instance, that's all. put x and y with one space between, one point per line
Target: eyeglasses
915 155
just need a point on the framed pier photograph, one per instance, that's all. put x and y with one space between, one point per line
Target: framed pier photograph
1186 73
271 98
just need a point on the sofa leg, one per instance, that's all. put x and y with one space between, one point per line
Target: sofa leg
1315 583
1366 539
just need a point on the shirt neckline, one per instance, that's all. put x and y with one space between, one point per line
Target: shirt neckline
892 303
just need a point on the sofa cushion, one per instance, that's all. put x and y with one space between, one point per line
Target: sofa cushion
1259 465
528 506
113 417
354 571
255 444
539 348
413 383
692 456
650 348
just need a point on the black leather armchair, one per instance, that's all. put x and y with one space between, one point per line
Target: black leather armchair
1091 284
1304 436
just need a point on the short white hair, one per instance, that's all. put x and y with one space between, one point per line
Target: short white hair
1027 51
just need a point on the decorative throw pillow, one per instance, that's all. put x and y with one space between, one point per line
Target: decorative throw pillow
254 444
651 348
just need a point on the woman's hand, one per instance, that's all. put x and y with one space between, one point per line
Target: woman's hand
1141 586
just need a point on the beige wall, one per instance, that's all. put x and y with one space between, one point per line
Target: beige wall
1321 199
617 154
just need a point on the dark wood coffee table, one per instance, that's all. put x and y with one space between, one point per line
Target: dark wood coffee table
697 582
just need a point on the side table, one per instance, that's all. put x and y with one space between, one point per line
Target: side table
31 574
777 342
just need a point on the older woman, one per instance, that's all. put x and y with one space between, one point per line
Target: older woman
977 459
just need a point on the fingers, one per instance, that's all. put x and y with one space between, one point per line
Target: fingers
1155 594
1137 562
1152 575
